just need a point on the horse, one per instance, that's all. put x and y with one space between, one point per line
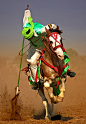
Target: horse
52 66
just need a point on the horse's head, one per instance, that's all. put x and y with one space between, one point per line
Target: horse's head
54 38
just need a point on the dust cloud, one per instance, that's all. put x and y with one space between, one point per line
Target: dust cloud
29 103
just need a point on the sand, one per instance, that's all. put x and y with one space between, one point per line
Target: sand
29 105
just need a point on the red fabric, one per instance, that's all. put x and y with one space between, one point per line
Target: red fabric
58 83
37 66
56 47
60 70
51 66
36 75
63 49
54 35
24 69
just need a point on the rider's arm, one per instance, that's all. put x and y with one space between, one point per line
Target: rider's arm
27 14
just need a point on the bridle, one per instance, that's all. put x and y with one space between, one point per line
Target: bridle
56 69
54 35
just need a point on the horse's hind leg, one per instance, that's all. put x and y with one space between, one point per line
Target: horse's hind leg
45 102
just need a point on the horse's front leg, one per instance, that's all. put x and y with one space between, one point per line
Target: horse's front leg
45 102
52 113
54 99
62 89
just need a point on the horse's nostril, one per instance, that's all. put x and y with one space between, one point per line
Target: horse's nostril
28 31
51 42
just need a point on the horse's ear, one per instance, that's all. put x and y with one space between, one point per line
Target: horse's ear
47 31
60 31
57 27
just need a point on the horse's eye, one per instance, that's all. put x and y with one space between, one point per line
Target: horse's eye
51 42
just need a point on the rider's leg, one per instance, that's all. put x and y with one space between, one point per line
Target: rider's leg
33 66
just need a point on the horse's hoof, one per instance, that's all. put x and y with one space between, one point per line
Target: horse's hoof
48 118
57 99
54 100
60 99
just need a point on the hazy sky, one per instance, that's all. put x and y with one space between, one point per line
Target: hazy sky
70 15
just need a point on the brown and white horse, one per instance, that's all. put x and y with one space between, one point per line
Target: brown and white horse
52 66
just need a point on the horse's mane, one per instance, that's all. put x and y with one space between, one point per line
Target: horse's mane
56 30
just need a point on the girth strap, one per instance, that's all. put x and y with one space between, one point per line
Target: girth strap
46 63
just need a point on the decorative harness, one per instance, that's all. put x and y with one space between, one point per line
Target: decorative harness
54 35
58 70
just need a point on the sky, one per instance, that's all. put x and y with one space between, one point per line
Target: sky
70 15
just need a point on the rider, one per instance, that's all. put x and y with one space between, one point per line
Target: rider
32 32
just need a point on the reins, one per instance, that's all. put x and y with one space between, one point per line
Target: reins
56 69
55 37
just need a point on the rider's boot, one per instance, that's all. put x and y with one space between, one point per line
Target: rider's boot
71 73
35 86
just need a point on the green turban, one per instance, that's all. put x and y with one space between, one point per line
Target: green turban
28 29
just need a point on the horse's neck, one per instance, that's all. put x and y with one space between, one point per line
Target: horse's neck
50 57
53 58
47 56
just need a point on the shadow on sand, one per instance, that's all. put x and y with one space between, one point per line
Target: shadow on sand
59 117
56 117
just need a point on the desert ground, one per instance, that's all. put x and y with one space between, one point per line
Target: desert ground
30 109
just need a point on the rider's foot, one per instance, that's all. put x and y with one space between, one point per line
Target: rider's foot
71 73
35 86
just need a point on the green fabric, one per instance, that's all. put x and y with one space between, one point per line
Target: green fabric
37 27
56 91
37 41
29 28
39 67
30 81
28 31
66 58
